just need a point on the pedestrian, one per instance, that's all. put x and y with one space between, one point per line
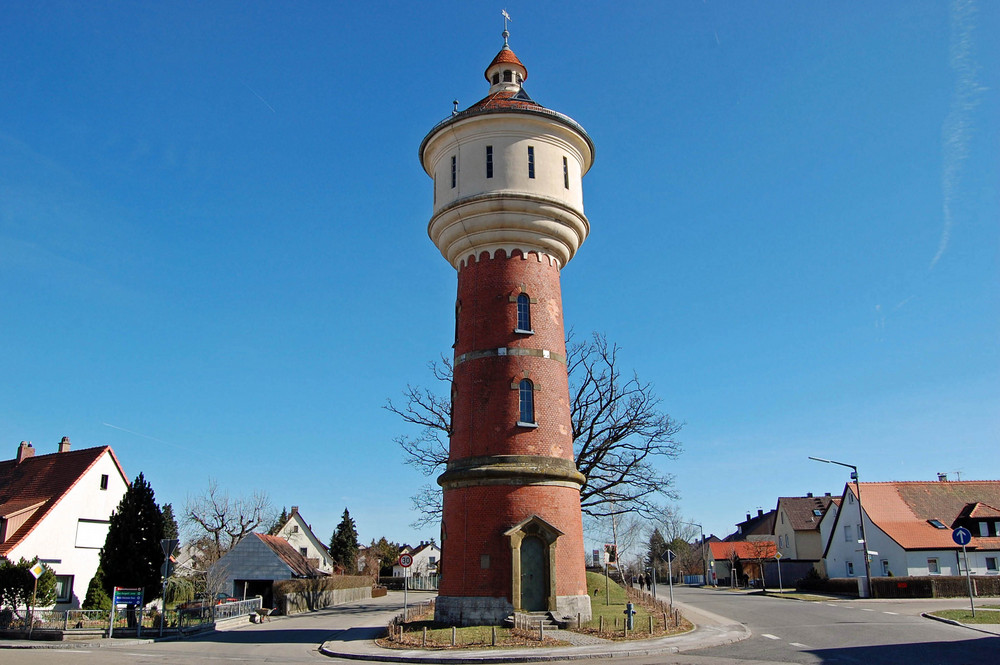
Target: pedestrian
640 583
649 584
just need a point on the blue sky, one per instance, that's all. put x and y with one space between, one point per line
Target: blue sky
213 249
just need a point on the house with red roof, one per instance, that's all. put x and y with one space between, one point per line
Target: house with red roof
299 534
425 560
58 507
255 563
909 528
748 557
802 529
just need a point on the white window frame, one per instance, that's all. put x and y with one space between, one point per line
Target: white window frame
995 569
933 566
885 567
847 533
984 529
850 568
67 588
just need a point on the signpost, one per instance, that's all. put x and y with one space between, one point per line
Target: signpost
669 557
777 557
168 545
963 537
125 597
36 572
405 560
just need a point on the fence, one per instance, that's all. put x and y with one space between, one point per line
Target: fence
126 621
945 586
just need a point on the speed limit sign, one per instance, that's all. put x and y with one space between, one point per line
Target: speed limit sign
405 560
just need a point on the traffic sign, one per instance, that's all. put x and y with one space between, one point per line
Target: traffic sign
168 545
405 560
961 536
777 555
37 570
668 556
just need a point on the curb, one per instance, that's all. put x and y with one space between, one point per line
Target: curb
928 615
730 633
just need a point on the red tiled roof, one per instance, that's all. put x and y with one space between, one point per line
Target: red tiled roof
43 480
902 509
744 549
299 564
506 56
504 100
980 510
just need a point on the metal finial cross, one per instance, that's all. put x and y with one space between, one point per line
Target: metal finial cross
506 17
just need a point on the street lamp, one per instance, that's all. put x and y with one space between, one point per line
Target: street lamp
861 512
704 552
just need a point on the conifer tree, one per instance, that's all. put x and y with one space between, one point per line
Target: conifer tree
344 544
170 529
97 598
278 523
132 556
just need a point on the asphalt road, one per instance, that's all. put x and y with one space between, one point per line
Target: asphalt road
784 631
855 631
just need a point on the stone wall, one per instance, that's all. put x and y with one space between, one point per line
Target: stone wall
296 603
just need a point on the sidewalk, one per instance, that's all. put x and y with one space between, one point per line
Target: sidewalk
711 630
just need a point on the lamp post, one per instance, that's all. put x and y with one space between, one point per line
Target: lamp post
861 513
704 552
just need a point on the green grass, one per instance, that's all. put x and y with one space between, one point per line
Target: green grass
615 611
965 616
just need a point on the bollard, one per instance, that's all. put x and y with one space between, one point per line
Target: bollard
423 641
493 640
579 620
602 625
665 626
541 632
453 632
650 624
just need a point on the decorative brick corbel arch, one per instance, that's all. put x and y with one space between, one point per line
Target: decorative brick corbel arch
533 526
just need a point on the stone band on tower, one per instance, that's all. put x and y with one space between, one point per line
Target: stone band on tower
508 215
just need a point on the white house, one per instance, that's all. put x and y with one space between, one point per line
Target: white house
300 536
909 525
58 507
425 560
797 526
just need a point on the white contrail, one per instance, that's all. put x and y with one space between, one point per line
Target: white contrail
956 131
145 436
259 97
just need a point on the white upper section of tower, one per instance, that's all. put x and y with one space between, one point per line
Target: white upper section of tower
507 173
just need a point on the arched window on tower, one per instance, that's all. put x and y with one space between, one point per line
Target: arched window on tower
523 313
508 76
496 78
526 392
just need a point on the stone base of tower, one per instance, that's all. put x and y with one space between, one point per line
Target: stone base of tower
486 611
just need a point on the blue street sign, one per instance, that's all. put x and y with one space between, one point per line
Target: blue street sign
961 536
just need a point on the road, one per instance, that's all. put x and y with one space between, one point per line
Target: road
784 631
854 631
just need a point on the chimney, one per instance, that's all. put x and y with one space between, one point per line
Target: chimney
295 509
826 494
809 495
24 451
64 445
748 517
943 477
760 512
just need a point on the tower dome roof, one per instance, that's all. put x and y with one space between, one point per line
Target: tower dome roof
505 57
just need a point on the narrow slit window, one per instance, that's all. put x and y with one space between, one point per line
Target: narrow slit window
526 391
531 161
454 171
523 312
489 161
565 173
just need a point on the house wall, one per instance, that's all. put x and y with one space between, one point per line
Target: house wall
784 534
299 538
842 550
55 539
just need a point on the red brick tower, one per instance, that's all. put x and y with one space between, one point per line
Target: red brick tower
508 215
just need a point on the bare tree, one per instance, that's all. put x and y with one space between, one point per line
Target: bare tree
760 552
620 434
217 521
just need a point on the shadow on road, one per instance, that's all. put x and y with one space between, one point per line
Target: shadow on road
985 651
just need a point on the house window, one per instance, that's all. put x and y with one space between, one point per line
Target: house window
454 171
991 565
565 173
850 569
304 551
847 533
984 529
817 512
64 588
295 528
531 161
850 498
432 560
104 481
489 161
526 391
937 524
932 567
523 313
885 567
484 561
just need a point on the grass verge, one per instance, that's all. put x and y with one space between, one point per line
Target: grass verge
965 616
608 601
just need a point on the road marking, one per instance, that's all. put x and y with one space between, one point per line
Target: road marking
865 609
800 645
893 613
770 637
